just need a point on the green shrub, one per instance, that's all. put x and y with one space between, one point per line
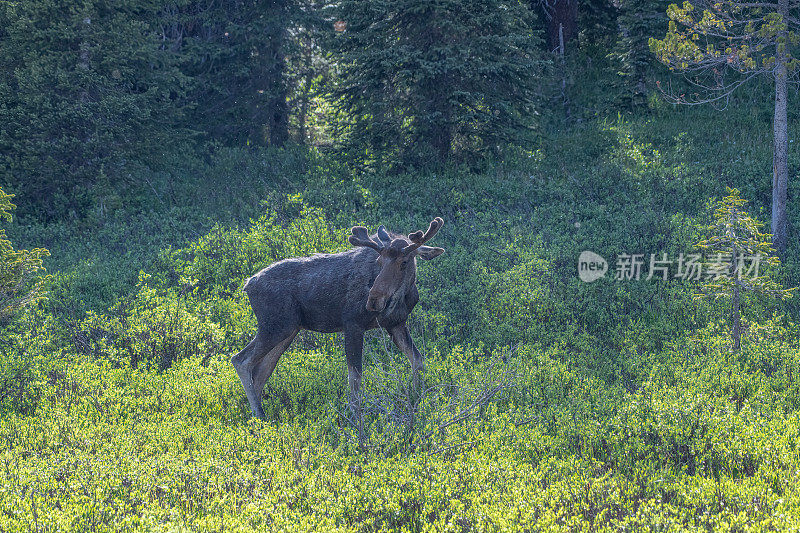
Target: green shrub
154 328
626 408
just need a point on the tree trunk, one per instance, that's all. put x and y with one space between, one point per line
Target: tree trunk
270 110
442 141
736 331
437 132
564 95
305 95
780 154
277 108
560 14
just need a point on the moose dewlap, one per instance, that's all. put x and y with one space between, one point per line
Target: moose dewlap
370 285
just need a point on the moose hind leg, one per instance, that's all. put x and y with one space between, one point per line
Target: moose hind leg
243 363
266 366
252 362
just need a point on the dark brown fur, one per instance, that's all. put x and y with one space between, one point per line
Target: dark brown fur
371 285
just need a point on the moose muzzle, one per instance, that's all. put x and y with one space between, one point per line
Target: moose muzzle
376 303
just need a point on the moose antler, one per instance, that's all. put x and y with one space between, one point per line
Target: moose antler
418 239
360 237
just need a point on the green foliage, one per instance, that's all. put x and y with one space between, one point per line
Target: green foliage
738 37
220 262
86 88
735 238
623 407
20 282
251 64
152 329
418 81
736 253
703 443
638 20
95 99
548 403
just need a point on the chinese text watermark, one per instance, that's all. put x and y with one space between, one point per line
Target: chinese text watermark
592 266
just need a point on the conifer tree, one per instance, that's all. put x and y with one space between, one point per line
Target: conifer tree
20 282
244 60
740 256
86 87
423 79
638 21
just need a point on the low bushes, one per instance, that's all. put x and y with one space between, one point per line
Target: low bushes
548 403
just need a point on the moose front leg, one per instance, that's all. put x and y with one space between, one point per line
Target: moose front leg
402 338
354 348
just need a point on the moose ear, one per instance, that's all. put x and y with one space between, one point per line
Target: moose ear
384 236
429 252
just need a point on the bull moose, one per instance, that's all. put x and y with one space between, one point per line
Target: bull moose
370 285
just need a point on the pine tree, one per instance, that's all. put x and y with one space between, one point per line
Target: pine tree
719 46
638 21
419 80
86 87
20 282
733 239
245 60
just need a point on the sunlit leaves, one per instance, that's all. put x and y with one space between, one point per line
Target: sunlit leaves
20 279
696 34
733 232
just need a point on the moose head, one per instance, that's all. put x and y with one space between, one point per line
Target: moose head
395 254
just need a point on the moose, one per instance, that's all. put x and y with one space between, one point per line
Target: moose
371 285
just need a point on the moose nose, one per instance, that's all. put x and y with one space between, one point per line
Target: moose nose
376 304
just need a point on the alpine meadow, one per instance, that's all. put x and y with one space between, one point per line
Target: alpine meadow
399 265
